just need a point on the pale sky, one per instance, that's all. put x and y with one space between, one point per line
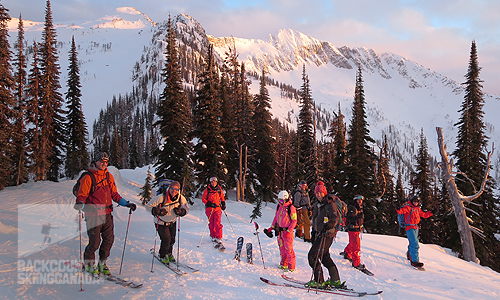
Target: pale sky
434 33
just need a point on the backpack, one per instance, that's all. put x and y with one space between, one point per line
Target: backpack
401 218
76 187
342 211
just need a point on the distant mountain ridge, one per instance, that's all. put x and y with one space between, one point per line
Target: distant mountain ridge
402 96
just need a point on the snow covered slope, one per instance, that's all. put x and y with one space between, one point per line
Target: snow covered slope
27 207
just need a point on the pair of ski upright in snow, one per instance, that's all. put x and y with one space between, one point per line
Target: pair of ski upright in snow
239 247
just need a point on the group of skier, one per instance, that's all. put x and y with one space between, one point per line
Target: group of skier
97 191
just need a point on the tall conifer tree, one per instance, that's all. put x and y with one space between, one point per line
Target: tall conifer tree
472 161
264 141
307 159
7 101
361 159
209 152
77 156
52 120
174 119
19 159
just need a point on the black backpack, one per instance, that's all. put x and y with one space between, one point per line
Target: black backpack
76 187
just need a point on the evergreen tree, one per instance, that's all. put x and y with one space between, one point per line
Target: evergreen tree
51 112
19 159
77 156
33 91
209 153
422 186
286 156
360 172
400 192
264 141
7 103
174 119
471 160
116 151
307 141
338 133
386 221
146 188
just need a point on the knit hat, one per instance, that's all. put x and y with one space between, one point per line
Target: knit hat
320 187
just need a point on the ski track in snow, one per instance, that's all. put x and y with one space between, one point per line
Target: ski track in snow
27 207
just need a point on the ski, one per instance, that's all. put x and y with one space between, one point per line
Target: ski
366 271
185 266
239 246
303 284
348 293
122 282
218 245
249 253
419 268
170 266
117 280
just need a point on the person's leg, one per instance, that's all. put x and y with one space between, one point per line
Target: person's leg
413 246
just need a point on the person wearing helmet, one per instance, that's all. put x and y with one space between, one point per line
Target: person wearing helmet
285 220
355 218
302 203
214 201
98 205
412 214
166 207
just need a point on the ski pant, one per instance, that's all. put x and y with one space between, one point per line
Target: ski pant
214 221
412 235
101 236
167 237
303 222
353 249
320 252
285 242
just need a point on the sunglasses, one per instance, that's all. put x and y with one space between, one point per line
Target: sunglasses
175 189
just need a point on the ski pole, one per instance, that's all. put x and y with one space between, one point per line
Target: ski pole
321 245
154 247
178 240
205 227
230 224
125 242
258 238
83 264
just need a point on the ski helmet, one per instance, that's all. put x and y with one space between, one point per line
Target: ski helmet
283 195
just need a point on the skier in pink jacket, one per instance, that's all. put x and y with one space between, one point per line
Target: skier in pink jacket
284 223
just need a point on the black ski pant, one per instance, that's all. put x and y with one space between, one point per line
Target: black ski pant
167 237
100 230
320 254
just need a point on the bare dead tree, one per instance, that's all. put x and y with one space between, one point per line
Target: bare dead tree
465 229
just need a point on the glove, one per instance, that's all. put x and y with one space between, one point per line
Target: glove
132 206
181 212
163 211
269 232
78 205
223 205
155 211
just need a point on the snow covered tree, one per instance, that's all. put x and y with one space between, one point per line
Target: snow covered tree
264 141
77 156
307 164
7 103
51 112
360 172
174 120
338 133
146 188
209 153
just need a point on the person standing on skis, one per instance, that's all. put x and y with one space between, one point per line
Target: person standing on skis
97 206
303 205
412 214
283 224
354 222
325 219
166 207
213 198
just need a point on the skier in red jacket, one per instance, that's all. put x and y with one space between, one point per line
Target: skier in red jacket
213 198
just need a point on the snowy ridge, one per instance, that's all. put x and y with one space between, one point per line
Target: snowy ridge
219 276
